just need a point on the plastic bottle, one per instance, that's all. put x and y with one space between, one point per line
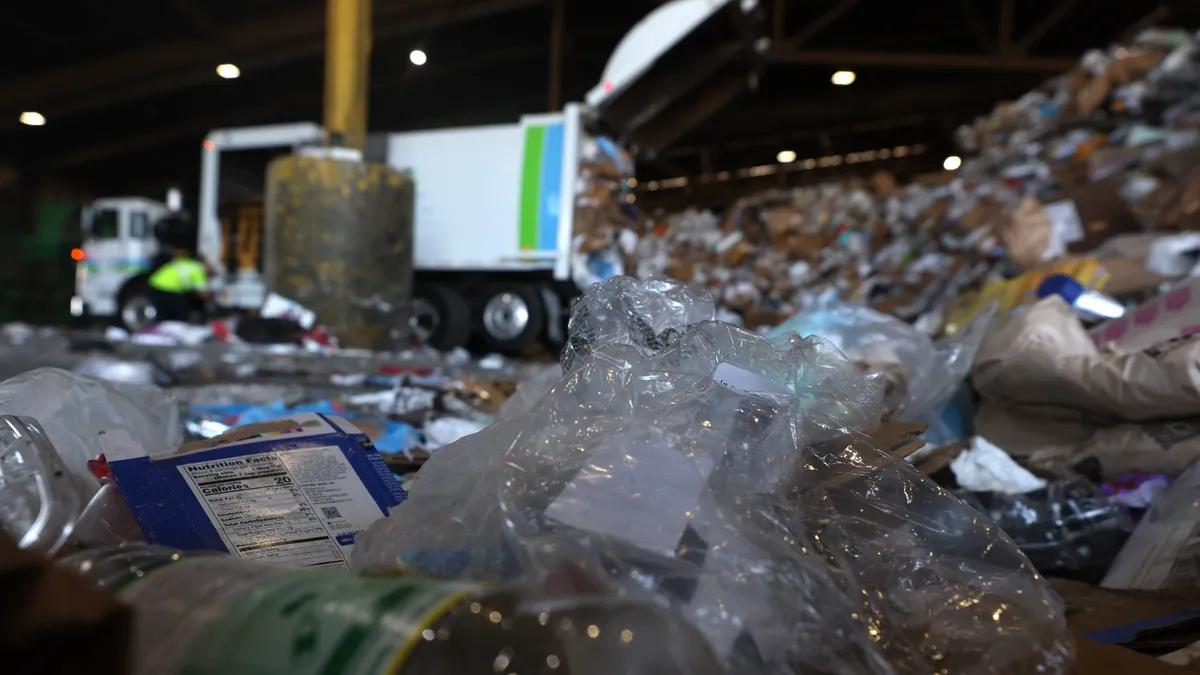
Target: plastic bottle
209 614
1089 305
38 503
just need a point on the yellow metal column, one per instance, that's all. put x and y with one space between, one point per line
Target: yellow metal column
347 57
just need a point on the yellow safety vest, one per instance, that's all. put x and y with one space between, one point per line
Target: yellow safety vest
180 276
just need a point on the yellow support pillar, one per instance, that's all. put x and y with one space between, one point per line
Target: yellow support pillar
347 57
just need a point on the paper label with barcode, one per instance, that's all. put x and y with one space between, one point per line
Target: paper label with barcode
1156 556
299 507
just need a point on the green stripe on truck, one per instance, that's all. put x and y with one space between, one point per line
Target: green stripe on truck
531 184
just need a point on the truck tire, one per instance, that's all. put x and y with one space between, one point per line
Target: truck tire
440 316
512 316
135 305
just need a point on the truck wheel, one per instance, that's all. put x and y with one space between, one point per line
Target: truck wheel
513 317
440 317
135 306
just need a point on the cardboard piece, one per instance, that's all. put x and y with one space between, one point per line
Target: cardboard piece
1130 276
1094 658
1092 94
55 622
897 440
1168 447
294 491
1101 210
1183 212
1124 258
1108 625
1160 319
1108 615
940 457
1027 235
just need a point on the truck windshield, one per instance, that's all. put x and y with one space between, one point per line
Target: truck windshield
139 225
106 224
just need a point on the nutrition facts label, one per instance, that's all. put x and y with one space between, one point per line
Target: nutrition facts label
299 507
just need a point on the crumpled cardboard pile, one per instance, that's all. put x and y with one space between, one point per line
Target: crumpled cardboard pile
1107 148
1115 631
604 225
904 251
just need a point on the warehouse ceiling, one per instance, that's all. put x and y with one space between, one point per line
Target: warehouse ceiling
129 87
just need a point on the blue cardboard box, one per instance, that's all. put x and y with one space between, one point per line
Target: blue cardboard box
293 491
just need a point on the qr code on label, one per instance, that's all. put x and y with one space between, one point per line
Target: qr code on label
331 512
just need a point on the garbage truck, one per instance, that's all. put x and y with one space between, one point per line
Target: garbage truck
495 206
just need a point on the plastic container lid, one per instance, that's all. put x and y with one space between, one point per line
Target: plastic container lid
1061 284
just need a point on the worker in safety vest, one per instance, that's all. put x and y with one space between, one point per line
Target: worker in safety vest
179 287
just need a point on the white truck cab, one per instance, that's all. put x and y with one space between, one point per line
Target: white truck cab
118 245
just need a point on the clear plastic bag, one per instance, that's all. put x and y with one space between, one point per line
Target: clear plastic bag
648 314
106 521
921 374
697 465
76 411
532 389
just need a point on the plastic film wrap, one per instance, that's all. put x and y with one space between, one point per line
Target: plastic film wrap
920 374
719 474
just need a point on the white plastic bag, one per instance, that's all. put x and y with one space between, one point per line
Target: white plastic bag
77 412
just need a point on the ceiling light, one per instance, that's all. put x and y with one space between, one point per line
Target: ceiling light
33 119
952 163
786 156
417 57
843 77
228 71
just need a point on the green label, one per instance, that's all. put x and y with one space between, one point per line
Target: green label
531 185
322 623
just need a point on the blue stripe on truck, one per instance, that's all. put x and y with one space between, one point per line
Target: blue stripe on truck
551 192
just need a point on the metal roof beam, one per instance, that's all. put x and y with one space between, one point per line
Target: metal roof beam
819 24
928 61
1047 24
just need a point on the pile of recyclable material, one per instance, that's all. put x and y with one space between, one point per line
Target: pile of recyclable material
1106 150
905 251
1126 120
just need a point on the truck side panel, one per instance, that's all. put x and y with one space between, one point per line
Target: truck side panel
488 198
467 196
